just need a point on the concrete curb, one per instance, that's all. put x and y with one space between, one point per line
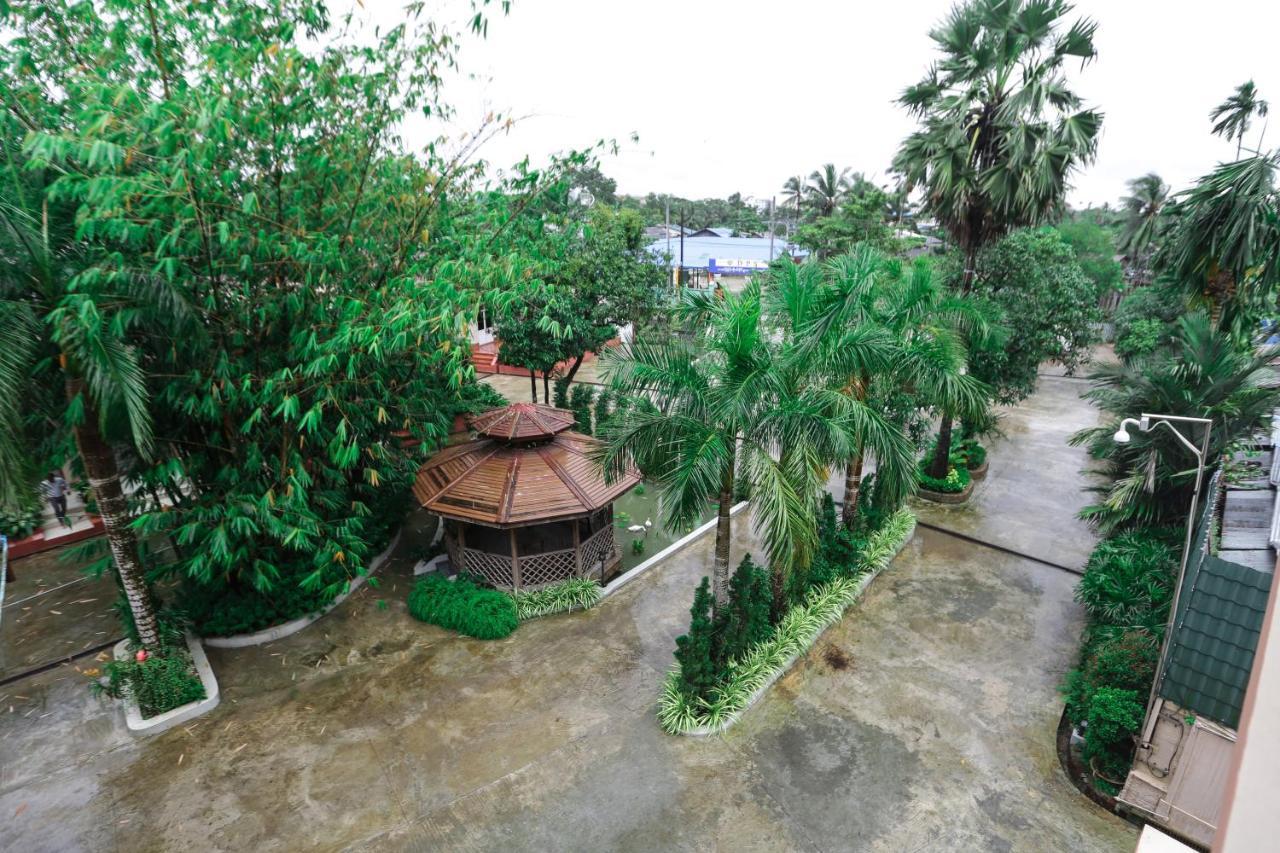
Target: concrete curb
706 731
947 498
622 580
267 635
140 725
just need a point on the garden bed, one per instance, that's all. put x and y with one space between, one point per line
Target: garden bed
141 725
793 636
276 632
952 498
980 472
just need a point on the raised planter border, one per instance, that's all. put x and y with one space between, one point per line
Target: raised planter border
862 584
140 725
627 577
980 472
278 632
949 498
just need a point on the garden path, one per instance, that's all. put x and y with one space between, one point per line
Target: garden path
924 720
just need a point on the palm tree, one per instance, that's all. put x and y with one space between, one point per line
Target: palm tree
1205 375
1001 131
79 331
1224 240
1142 222
727 409
1233 115
793 192
825 188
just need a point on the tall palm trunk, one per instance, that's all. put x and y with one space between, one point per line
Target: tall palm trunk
724 532
852 486
941 462
104 480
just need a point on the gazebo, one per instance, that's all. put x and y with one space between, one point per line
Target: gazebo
522 504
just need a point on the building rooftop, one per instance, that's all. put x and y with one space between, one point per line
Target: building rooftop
700 252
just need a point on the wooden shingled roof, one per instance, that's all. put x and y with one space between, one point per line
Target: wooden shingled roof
505 483
522 422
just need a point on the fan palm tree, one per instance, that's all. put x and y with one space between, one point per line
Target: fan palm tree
1233 116
80 333
825 188
1001 131
728 408
1206 375
1142 222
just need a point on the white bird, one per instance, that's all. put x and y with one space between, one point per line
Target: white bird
637 528
647 524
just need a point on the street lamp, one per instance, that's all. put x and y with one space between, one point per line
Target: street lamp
1147 423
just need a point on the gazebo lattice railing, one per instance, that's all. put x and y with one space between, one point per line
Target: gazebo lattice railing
598 550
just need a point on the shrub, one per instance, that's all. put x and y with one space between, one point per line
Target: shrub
158 684
637 546
1145 320
1142 337
1125 659
602 411
20 521
1115 715
956 481
561 397
1129 580
694 650
744 621
556 598
463 606
580 402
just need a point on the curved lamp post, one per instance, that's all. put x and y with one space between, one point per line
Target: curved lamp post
1147 423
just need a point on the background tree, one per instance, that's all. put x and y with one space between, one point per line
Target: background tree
1144 222
1095 251
1001 131
1047 304
1233 116
825 189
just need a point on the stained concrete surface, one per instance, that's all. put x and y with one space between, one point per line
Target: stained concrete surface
924 720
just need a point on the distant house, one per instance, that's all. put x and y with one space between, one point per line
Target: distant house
654 232
705 260
712 232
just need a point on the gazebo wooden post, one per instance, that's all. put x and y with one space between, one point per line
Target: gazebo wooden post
577 550
515 563
462 546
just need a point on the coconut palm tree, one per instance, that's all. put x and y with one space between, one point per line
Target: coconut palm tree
724 409
1233 116
1142 222
1205 375
825 189
79 333
793 193
1001 131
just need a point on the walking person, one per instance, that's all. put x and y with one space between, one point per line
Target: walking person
54 490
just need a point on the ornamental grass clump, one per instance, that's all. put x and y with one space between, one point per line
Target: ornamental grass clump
567 595
464 606
707 689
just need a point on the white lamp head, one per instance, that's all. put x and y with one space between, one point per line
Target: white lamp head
1122 436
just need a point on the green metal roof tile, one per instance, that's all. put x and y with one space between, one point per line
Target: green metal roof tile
1213 643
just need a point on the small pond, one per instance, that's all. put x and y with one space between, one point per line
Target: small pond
636 507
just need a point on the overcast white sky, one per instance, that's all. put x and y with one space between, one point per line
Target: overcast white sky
735 96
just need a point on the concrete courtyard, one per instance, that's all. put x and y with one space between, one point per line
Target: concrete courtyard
925 720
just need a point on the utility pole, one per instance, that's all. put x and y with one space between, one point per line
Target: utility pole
771 227
680 269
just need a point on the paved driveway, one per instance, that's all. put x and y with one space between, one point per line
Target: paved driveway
923 721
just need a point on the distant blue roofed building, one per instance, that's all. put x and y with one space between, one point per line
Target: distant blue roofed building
729 261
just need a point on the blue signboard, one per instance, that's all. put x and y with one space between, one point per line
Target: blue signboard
736 266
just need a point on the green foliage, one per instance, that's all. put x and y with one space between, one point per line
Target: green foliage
579 593
603 409
22 518
580 400
1095 251
561 397
1204 374
462 605
733 212
1047 303
744 621
956 481
1128 582
637 546
682 712
695 650
158 684
1115 715
1146 320
1121 659
858 217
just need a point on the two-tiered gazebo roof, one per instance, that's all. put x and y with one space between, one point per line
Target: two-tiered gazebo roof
523 503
